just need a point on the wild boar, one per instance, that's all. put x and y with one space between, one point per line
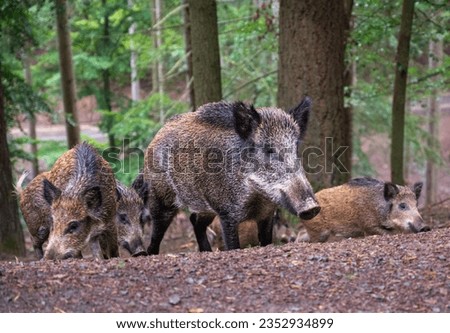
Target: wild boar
230 160
35 210
81 191
362 207
129 220
248 232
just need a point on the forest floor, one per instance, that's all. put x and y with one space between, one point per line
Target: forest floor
401 273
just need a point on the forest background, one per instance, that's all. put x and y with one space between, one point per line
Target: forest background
112 72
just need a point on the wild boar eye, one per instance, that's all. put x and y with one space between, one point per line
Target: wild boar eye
72 227
403 206
124 219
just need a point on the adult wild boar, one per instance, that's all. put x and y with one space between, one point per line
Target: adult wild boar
81 191
362 207
129 220
230 160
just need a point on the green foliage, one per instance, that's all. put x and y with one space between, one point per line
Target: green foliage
127 169
50 150
249 51
19 31
137 124
20 98
373 46
17 151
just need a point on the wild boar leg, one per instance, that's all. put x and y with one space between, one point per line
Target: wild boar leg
265 233
38 251
96 249
39 240
230 232
200 223
108 245
161 220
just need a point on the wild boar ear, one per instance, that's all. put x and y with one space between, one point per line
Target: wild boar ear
93 197
390 191
300 113
138 181
118 194
246 119
141 187
144 192
417 189
51 192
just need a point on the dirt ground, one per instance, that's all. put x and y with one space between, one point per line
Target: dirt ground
402 273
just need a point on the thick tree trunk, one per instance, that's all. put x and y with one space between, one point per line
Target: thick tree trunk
135 83
349 83
311 62
434 59
11 234
188 49
398 103
155 63
31 119
67 74
158 70
107 77
205 51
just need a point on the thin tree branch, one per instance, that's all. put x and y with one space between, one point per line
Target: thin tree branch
250 82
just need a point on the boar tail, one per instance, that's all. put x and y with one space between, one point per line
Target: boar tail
18 186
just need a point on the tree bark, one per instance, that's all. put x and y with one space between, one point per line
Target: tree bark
398 103
159 68
188 49
135 83
11 234
311 62
158 16
106 76
349 83
67 74
434 58
31 119
205 51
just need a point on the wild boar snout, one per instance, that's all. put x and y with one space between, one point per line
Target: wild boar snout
310 212
418 226
306 206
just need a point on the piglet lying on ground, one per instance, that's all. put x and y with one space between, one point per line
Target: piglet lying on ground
362 207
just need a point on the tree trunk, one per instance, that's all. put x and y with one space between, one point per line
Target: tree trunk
188 49
398 103
158 69
205 51
434 58
135 83
349 83
67 74
155 63
106 76
408 157
31 119
11 234
311 62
